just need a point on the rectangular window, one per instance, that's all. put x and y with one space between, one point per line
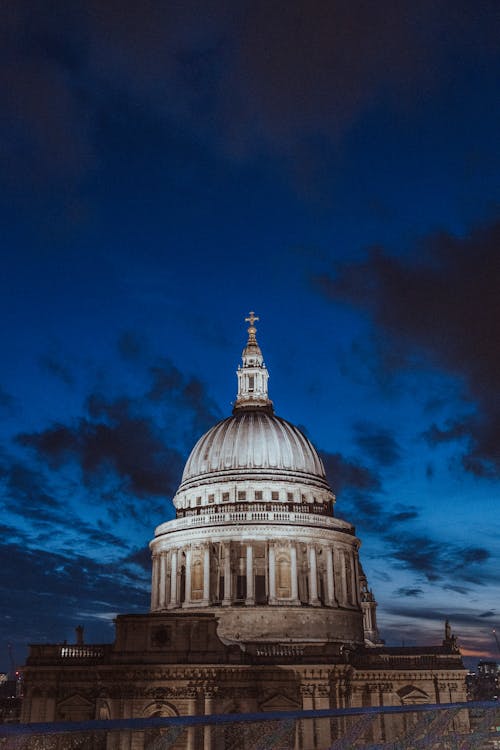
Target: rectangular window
242 496
241 587
211 498
198 501
250 382
258 495
225 497
289 497
275 495
260 589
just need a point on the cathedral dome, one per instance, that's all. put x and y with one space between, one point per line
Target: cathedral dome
253 456
253 439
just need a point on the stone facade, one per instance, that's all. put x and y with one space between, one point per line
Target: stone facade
258 603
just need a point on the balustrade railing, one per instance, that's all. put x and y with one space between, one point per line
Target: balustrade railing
253 516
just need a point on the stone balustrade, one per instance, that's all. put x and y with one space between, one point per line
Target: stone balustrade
254 516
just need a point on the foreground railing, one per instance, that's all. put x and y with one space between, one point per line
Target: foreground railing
456 726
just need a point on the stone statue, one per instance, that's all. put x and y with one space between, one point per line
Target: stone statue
79 635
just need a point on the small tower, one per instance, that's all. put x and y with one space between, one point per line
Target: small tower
369 607
252 375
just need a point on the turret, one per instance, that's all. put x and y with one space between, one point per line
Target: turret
252 375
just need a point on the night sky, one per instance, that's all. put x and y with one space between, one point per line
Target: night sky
167 167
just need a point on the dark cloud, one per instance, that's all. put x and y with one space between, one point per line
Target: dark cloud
457 589
141 557
131 346
437 561
403 515
56 367
240 76
113 438
77 588
25 493
457 618
7 402
489 613
137 441
343 473
188 393
411 593
360 495
444 305
379 444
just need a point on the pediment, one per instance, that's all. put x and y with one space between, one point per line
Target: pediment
75 700
75 708
410 695
279 702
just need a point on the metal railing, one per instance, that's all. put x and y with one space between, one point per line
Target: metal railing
456 726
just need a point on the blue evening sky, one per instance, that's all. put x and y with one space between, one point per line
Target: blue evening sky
164 169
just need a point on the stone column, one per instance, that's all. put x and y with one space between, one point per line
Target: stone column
330 581
322 701
163 581
308 742
191 731
228 593
354 594
356 576
343 576
187 593
293 573
206 575
272 574
207 729
313 577
154 583
174 591
250 598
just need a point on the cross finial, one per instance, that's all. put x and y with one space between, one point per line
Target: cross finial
251 318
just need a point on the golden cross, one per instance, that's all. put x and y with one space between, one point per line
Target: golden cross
251 318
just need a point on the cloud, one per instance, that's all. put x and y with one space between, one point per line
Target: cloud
411 593
437 561
188 393
243 78
131 346
112 439
141 557
379 444
25 493
359 491
343 473
125 449
48 583
442 304
56 367
7 402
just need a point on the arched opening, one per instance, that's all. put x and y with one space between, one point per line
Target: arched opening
158 738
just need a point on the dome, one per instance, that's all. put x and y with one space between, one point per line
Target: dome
253 440
253 456
255 526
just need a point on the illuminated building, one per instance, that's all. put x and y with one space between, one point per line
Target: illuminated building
259 601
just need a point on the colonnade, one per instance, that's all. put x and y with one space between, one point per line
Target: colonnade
225 573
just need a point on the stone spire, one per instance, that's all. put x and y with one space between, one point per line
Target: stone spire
252 374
